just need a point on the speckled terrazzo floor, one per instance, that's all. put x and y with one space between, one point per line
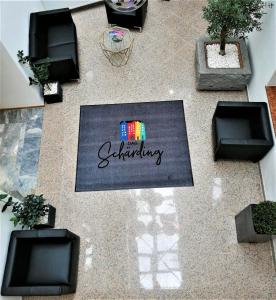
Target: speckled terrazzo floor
154 243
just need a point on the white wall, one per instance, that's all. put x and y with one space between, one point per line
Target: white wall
14 35
15 91
5 229
262 47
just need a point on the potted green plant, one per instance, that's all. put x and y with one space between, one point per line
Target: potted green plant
256 223
222 60
31 212
52 91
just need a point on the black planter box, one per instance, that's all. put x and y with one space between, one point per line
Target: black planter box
50 220
54 98
245 228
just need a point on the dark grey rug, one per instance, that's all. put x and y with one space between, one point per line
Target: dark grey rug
133 145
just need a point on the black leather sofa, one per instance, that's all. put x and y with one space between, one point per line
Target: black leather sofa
41 262
53 39
241 131
129 19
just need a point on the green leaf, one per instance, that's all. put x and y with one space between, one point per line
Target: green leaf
5 206
264 217
233 18
3 196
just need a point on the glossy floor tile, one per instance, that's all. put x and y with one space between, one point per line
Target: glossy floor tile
168 243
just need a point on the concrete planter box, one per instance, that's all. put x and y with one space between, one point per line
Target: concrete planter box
245 227
221 79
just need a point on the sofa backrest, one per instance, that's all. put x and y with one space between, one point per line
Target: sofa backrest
38 37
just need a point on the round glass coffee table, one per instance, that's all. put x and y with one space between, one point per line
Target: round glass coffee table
116 43
125 5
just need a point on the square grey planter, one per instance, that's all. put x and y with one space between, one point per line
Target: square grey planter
245 228
224 79
48 221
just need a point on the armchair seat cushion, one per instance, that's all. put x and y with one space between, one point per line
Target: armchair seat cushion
60 34
233 128
49 263
60 51
124 13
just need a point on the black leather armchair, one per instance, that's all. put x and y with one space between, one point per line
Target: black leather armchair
41 262
53 39
128 19
241 131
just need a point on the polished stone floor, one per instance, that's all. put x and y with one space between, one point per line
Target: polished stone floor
20 136
168 243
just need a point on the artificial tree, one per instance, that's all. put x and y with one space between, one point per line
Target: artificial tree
232 19
256 223
264 217
27 212
40 72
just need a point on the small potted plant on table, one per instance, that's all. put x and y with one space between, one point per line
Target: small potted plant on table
222 61
256 223
32 212
52 91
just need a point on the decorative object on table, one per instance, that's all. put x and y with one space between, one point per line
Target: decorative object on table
53 39
52 91
117 44
117 35
41 263
127 13
132 146
222 61
256 223
31 212
241 131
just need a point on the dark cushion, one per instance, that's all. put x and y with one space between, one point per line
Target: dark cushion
233 128
49 263
61 34
61 51
124 13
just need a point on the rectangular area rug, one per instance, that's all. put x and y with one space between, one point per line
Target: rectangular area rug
133 145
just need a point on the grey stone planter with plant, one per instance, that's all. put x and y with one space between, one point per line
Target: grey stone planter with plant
222 62
32 212
226 79
256 223
51 91
48 220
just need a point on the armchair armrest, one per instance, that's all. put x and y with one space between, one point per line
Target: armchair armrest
61 67
61 15
37 37
240 142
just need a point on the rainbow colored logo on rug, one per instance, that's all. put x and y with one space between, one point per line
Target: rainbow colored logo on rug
132 131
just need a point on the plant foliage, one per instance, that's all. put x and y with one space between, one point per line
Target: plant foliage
264 217
41 72
27 212
232 18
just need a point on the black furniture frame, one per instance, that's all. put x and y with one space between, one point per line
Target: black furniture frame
41 262
53 40
241 130
129 19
